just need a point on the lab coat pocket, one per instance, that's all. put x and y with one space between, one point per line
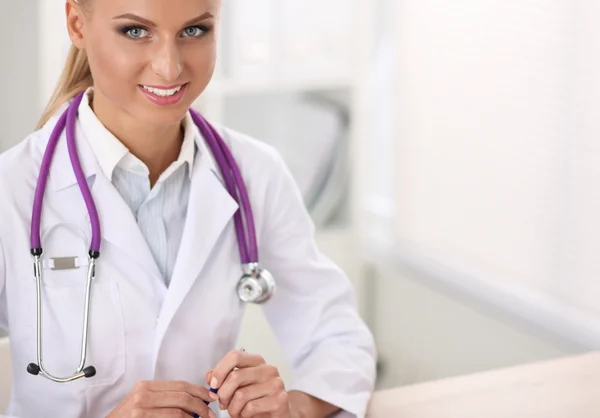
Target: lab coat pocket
62 326
63 310
65 265
64 282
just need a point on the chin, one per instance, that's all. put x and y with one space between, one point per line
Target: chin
150 114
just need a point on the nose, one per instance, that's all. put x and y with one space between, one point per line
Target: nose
167 62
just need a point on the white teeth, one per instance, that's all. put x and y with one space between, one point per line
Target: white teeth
161 92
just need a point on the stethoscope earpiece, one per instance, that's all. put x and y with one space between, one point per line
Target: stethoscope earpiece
256 285
89 371
33 369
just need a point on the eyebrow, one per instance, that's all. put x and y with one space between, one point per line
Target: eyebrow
150 23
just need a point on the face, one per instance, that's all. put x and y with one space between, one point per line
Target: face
150 59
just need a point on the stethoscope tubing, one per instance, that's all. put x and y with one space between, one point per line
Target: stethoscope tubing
234 183
235 186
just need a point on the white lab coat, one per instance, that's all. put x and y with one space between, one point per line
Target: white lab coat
139 328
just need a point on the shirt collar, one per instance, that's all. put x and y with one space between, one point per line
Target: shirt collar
112 153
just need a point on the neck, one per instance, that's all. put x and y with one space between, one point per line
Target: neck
156 147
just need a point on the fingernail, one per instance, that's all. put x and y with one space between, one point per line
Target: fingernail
213 396
222 407
214 383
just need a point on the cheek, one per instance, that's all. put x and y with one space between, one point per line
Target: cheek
201 64
112 64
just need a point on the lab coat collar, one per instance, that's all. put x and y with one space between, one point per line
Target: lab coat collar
61 174
110 152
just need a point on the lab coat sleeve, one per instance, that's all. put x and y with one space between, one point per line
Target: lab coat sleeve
313 312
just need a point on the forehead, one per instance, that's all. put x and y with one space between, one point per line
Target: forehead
163 12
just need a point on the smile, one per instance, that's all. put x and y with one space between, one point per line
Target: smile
162 92
164 96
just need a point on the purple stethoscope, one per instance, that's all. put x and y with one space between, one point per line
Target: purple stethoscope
256 285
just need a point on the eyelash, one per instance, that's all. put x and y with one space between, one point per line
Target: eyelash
124 31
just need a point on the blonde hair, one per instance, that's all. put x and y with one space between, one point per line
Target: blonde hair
75 78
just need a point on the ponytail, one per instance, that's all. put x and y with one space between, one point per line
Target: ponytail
75 78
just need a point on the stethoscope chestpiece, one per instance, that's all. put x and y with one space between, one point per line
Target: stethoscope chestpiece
256 285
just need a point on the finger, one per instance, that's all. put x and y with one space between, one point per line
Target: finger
233 359
250 393
240 378
172 413
276 406
196 391
209 376
174 400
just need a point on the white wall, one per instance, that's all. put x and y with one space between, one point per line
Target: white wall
19 69
496 175
485 92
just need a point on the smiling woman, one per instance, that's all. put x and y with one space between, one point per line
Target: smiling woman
129 53
181 204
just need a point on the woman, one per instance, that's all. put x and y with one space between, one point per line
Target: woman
164 311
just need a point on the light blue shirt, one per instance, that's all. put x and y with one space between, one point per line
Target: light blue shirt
160 211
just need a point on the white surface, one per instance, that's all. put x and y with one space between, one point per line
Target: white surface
562 388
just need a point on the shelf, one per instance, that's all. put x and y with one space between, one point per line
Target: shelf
243 87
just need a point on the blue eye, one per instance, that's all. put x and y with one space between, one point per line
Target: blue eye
135 32
194 31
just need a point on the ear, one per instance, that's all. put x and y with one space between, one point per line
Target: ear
75 23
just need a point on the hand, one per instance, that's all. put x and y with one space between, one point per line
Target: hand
165 400
248 387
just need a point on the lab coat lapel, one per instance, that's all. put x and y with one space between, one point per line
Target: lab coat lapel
210 209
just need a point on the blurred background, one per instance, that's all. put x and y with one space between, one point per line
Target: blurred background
447 151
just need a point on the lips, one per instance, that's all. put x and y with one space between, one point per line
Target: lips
164 95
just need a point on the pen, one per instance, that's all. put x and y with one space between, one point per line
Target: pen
206 402
213 390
